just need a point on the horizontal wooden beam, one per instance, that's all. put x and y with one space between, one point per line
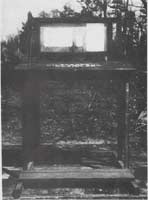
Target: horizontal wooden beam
77 66
78 174
71 177
84 197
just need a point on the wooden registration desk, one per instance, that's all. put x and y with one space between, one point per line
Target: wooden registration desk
37 72
34 74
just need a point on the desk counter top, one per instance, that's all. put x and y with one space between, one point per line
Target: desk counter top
67 66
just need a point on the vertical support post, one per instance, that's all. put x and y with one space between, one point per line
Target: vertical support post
123 115
126 125
121 119
31 117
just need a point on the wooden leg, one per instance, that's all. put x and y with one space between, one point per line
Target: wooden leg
31 117
126 145
121 120
123 135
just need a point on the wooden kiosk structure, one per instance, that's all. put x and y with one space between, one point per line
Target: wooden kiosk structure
77 60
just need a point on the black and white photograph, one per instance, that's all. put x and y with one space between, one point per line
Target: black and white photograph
74 99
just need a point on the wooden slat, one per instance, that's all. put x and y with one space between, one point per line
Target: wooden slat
54 168
86 174
84 197
110 65
70 178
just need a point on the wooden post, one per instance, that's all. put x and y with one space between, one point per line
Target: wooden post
123 135
126 125
31 117
121 119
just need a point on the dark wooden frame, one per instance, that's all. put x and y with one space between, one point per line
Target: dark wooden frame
31 114
37 71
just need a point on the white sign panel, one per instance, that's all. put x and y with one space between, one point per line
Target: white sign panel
89 37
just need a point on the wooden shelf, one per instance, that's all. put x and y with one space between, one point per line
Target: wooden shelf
84 197
70 177
76 66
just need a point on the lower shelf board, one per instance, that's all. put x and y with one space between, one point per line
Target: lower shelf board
99 197
81 177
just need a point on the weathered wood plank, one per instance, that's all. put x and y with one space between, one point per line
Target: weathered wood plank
75 175
84 197
46 65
